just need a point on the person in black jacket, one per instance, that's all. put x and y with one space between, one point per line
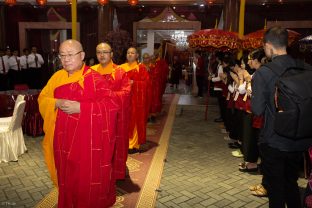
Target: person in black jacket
280 155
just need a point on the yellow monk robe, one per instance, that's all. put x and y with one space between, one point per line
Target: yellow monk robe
48 112
140 102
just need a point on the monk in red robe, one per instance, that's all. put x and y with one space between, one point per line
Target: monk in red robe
121 88
163 67
155 77
79 122
140 100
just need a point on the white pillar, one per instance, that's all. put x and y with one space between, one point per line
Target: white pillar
63 35
150 42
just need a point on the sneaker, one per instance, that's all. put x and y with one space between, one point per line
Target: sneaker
237 153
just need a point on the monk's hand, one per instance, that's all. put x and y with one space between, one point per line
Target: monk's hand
59 103
70 107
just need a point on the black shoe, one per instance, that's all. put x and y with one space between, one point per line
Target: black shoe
153 119
245 169
133 151
218 120
234 145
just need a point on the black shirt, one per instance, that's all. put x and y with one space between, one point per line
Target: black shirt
262 103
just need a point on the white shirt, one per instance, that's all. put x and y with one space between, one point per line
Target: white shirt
231 87
218 78
13 63
6 64
32 62
24 61
242 88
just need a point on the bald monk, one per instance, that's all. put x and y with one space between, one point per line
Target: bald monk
140 100
79 122
121 87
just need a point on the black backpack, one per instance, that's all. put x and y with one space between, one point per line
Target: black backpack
293 100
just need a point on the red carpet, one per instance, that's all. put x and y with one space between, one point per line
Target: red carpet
132 191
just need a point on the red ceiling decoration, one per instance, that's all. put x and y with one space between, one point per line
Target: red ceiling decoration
214 39
10 2
133 2
255 39
209 1
102 2
41 2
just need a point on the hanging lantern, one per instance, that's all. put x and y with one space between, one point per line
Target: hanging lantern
210 2
102 2
41 2
10 2
133 2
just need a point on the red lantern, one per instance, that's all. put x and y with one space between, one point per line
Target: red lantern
209 2
10 2
41 2
102 2
133 2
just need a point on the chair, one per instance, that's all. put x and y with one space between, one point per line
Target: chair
11 136
6 120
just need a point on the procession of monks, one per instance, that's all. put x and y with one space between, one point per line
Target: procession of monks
93 117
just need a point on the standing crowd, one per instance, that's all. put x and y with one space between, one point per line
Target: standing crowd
16 70
93 117
247 96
